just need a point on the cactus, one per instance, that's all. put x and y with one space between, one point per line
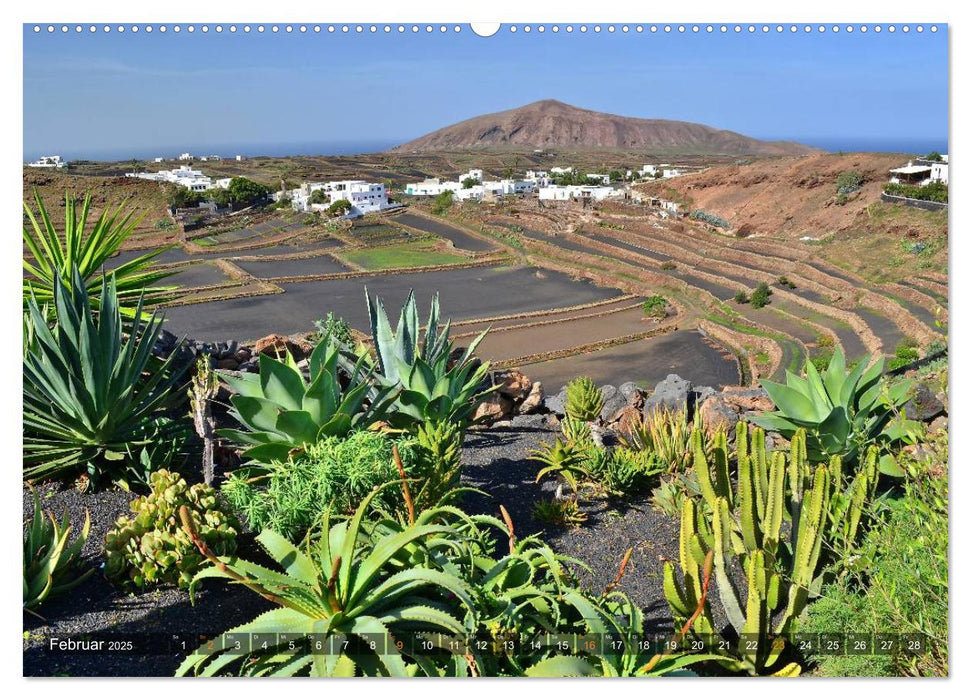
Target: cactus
584 400
202 391
151 548
745 525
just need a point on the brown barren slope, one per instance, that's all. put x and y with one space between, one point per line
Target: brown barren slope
550 123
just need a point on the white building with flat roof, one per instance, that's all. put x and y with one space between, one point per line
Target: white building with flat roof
47 162
564 193
184 176
364 197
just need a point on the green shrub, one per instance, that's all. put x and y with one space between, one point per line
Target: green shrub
760 296
655 306
335 472
786 282
164 224
150 547
57 255
93 392
339 207
741 297
52 564
584 400
442 202
903 589
712 219
933 192
848 182
668 265
906 352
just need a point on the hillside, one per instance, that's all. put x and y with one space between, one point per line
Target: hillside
553 124
796 197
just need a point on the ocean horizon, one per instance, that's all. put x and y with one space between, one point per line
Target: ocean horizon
836 144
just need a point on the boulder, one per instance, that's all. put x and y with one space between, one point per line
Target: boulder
613 402
745 399
717 414
924 405
632 393
513 384
534 400
939 423
699 394
557 404
227 363
494 407
535 421
671 392
276 346
624 420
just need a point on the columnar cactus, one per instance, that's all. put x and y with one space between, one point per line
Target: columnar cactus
744 524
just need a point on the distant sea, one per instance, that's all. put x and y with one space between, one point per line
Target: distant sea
250 150
915 146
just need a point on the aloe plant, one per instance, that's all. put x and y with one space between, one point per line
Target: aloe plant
93 391
564 460
584 400
346 587
55 254
282 411
432 387
51 561
840 411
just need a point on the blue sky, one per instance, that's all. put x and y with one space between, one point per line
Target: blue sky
148 93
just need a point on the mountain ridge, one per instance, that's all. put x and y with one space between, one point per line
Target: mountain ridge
551 123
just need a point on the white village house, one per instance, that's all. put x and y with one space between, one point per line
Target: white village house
563 193
364 197
184 176
921 171
484 189
47 162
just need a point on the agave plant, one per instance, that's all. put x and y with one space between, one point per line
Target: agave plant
432 387
93 390
345 592
281 411
54 255
51 562
841 412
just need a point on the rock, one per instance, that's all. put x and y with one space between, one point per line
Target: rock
229 350
613 402
939 423
243 354
228 363
557 404
700 393
513 384
249 366
534 400
671 392
277 346
924 405
494 407
632 393
534 421
624 420
745 399
717 414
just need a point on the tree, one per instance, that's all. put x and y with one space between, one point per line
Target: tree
442 202
616 176
934 156
339 208
319 197
184 198
469 182
220 196
760 297
245 191
507 174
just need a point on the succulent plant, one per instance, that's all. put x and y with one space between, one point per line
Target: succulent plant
562 459
841 412
584 400
667 434
93 391
283 412
430 386
151 548
51 562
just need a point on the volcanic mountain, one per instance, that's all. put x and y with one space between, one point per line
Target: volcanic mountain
553 124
